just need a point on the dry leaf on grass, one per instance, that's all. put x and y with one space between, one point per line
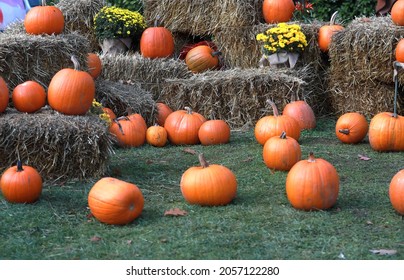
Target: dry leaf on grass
95 238
175 212
190 151
384 252
363 157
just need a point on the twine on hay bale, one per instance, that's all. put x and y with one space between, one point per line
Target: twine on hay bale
237 96
201 17
149 73
121 97
31 57
60 147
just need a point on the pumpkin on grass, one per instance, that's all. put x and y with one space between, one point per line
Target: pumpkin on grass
208 185
213 132
302 112
276 11
326 32
156 42
4 95
351 128
29 97
163 110
128 133
396 192
116 202
44 20
156 135
21 184
202 58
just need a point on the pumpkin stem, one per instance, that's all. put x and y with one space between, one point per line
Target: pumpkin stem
274 109
119 124
76 63
333 17
203 161
283 135
189 110
43 3
216 53
156 21
19 166
396 66
311 157
344 131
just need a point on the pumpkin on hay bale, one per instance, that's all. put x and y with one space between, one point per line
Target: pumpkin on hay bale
60 147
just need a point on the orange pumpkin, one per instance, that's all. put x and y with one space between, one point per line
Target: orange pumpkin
137 118
326 32
281 152
399 51
351 128
214 132
208 185
182 127
4 95
302 112
71 91
312 184
397 13
156 42
156 135
396 192
202 58
21 184
163 110
270 126
29 97
110 113
94 65
128 133
276 11
116 202
386 132
44 20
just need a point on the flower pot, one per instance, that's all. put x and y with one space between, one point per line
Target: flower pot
279 59
116 45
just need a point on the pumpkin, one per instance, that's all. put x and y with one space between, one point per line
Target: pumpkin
115 202
163 110
312 184
184 51
281 152
44 20
137 118
182 127
397 13
109 112
94 65
29 97
270 126
156 42
386 132
156 135
214 132
399 51
71 91
351 128
21 184
4 95
128 133
208 185
302 112
276 11
326 32
202 58
396 192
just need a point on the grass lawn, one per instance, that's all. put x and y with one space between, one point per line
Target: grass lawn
259 224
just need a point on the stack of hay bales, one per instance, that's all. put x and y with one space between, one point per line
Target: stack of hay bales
361 70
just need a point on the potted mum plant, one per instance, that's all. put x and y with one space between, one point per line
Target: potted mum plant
117 28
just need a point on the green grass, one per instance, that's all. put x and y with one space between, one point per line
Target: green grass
259 224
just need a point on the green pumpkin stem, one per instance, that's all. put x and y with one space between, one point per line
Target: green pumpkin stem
344 131
19 166
203 161
311 157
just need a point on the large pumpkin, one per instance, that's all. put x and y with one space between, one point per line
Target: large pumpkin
156 42
21 184
276 11
202 58
116 202
4 95
128 133
386 132
71 91
163 110
44 20
94 65
302 112
351 128
312 184
326 32
270 126
214 132
182 127
29 97
208 185
397 13
399 51
396 192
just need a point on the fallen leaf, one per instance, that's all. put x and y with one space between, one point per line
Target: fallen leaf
95 238
369 223
175 212
384 252
149 161
190 151
363 157
341 256
129 242
163 240
247 159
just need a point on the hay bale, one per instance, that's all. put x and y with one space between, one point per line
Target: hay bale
60 147
149 73
31 57
121 97
79 17
237 95
201 17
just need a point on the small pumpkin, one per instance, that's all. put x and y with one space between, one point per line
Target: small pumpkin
281 152
397 13
94 65
399 51
44 20
21 184
396 192
109 112
128 133
326 32
115 202
208 185
156 42
312 184
276 11
182 127
213 132
29 97
163 110
202 58
302 112
4 95
156 136
351 128
71 91
274 125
